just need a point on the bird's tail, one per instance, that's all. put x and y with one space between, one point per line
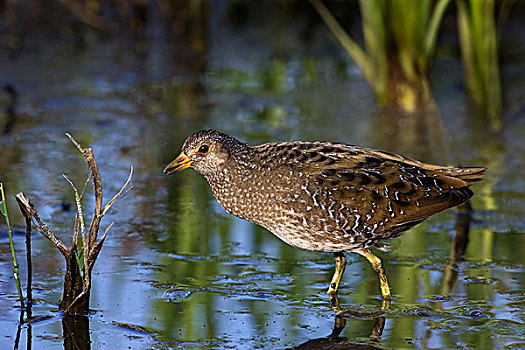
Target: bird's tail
471 175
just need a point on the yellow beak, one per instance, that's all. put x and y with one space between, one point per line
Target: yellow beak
180 163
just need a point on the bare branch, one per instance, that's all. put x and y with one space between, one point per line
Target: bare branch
97 187
41 227
79 218
77 145
74 239
44 230
107 206
85 185
84 291
98 246
24 204
87 271
105 233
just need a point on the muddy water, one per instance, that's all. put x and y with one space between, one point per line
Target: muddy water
176 271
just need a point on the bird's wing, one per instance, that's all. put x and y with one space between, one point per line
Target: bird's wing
392 191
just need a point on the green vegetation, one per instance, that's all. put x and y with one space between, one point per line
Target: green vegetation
399 42
479 53
16 275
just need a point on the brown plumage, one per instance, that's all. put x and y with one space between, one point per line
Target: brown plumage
324 196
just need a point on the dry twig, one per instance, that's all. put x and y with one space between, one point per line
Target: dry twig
77 283
28 210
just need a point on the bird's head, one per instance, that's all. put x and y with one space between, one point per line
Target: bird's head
206 151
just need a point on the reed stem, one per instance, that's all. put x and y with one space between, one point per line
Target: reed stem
16 275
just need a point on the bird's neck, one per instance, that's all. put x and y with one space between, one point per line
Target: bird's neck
239 166
230 182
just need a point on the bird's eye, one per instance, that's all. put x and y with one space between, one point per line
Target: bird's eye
204 148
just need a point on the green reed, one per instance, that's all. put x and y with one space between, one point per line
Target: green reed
16 275
399 42
479 53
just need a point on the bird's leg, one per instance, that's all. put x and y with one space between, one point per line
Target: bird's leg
340 263
334 301
377 265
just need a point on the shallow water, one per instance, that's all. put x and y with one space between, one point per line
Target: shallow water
190 276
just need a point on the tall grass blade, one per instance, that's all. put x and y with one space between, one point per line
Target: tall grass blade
399 42
373 14
479 53
429 42
352 48
16 275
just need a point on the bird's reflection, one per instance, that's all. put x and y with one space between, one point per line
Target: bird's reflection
336 306
335 341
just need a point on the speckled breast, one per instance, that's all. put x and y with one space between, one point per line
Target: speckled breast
291 206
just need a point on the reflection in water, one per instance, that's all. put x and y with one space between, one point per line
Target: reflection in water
335 341
76 332
377 329
459 246
418 135
19 332
10 108
336 306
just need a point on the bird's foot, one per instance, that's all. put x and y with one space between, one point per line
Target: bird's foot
334 302
385 304
332 289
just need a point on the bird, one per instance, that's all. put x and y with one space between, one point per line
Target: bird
325 196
